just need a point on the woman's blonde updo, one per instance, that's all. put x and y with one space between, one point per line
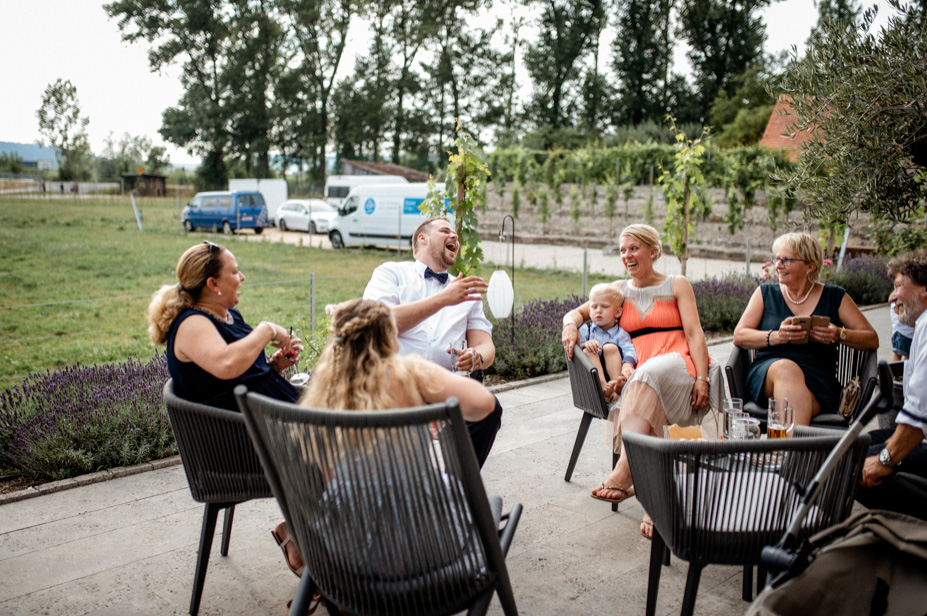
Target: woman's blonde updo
646 235
806 247
349 374
195 267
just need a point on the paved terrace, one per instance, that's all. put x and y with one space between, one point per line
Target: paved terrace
128 545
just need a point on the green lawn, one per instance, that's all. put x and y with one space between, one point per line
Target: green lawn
76 276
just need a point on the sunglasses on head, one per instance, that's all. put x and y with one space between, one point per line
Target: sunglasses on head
212 248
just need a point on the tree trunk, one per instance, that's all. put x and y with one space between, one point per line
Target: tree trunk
684 257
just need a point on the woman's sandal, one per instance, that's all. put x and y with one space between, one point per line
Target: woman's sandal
647 528
626 494
292 556
313 604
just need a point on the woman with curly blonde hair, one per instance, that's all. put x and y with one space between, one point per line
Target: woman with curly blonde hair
360 369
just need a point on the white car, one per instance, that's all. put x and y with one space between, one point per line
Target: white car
312 215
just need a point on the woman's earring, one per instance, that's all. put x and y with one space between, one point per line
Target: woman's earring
220 293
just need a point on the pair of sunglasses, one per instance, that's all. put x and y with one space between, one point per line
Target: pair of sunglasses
212 248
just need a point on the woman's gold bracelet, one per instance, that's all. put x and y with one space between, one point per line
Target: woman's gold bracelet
571 323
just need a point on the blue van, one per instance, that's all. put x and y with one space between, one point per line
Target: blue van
227 211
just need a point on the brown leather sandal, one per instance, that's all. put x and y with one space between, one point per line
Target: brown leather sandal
290 551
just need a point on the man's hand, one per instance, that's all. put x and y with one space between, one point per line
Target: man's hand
873 472
466 359
462 289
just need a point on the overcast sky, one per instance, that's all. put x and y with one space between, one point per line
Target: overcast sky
44 40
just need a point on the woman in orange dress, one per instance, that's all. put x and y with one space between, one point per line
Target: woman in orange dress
671 382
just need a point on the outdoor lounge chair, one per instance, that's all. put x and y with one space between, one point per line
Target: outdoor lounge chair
721 502
387 507
222 470
851 363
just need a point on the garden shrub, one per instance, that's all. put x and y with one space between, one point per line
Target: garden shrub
530 345
866 279
84 419
722 301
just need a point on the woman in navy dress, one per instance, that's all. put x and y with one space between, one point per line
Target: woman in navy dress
791 362
210 347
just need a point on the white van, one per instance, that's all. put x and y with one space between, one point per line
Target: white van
337 187
380 215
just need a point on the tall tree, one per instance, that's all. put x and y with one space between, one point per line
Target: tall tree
255 62
318 30
467 73
409 25
567 28
725 37
63 128
594 90
196 32
641 59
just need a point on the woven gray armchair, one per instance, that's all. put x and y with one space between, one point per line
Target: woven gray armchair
850 363
222 470
387 507
587 397
715 502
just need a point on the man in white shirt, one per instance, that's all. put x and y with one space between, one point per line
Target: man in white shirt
440 317
904 448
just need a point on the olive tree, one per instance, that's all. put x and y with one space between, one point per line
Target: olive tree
863 98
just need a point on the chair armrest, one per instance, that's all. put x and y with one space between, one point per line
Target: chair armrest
738 365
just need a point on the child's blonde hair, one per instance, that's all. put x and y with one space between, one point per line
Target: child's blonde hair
608 289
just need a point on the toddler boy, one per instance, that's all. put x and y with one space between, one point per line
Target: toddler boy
607 345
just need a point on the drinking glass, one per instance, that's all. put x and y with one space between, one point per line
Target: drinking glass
744 427
731 407
781 418
454 357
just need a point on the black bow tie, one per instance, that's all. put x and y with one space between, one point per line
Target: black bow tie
430 273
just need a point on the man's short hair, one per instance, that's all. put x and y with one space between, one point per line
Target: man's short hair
423 228
912 264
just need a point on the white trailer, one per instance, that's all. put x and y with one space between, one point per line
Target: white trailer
274 191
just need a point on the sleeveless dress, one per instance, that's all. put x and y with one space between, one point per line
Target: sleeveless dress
195 384
817 361
651 317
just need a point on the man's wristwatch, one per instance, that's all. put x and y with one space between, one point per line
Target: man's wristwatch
886 459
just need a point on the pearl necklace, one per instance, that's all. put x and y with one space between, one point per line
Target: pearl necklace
802 300
228 320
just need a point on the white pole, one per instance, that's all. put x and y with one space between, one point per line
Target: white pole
138 218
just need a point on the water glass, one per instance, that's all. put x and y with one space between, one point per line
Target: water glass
455 357
781 418
744 427
731 407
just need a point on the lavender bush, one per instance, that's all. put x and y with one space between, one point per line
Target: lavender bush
866 279
721 301
533 348
84 419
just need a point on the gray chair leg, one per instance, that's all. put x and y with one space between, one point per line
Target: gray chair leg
692 581
615 457
210 515
657 549
227 530
578 444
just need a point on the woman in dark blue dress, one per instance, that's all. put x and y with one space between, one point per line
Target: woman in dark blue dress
210 347
791 362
